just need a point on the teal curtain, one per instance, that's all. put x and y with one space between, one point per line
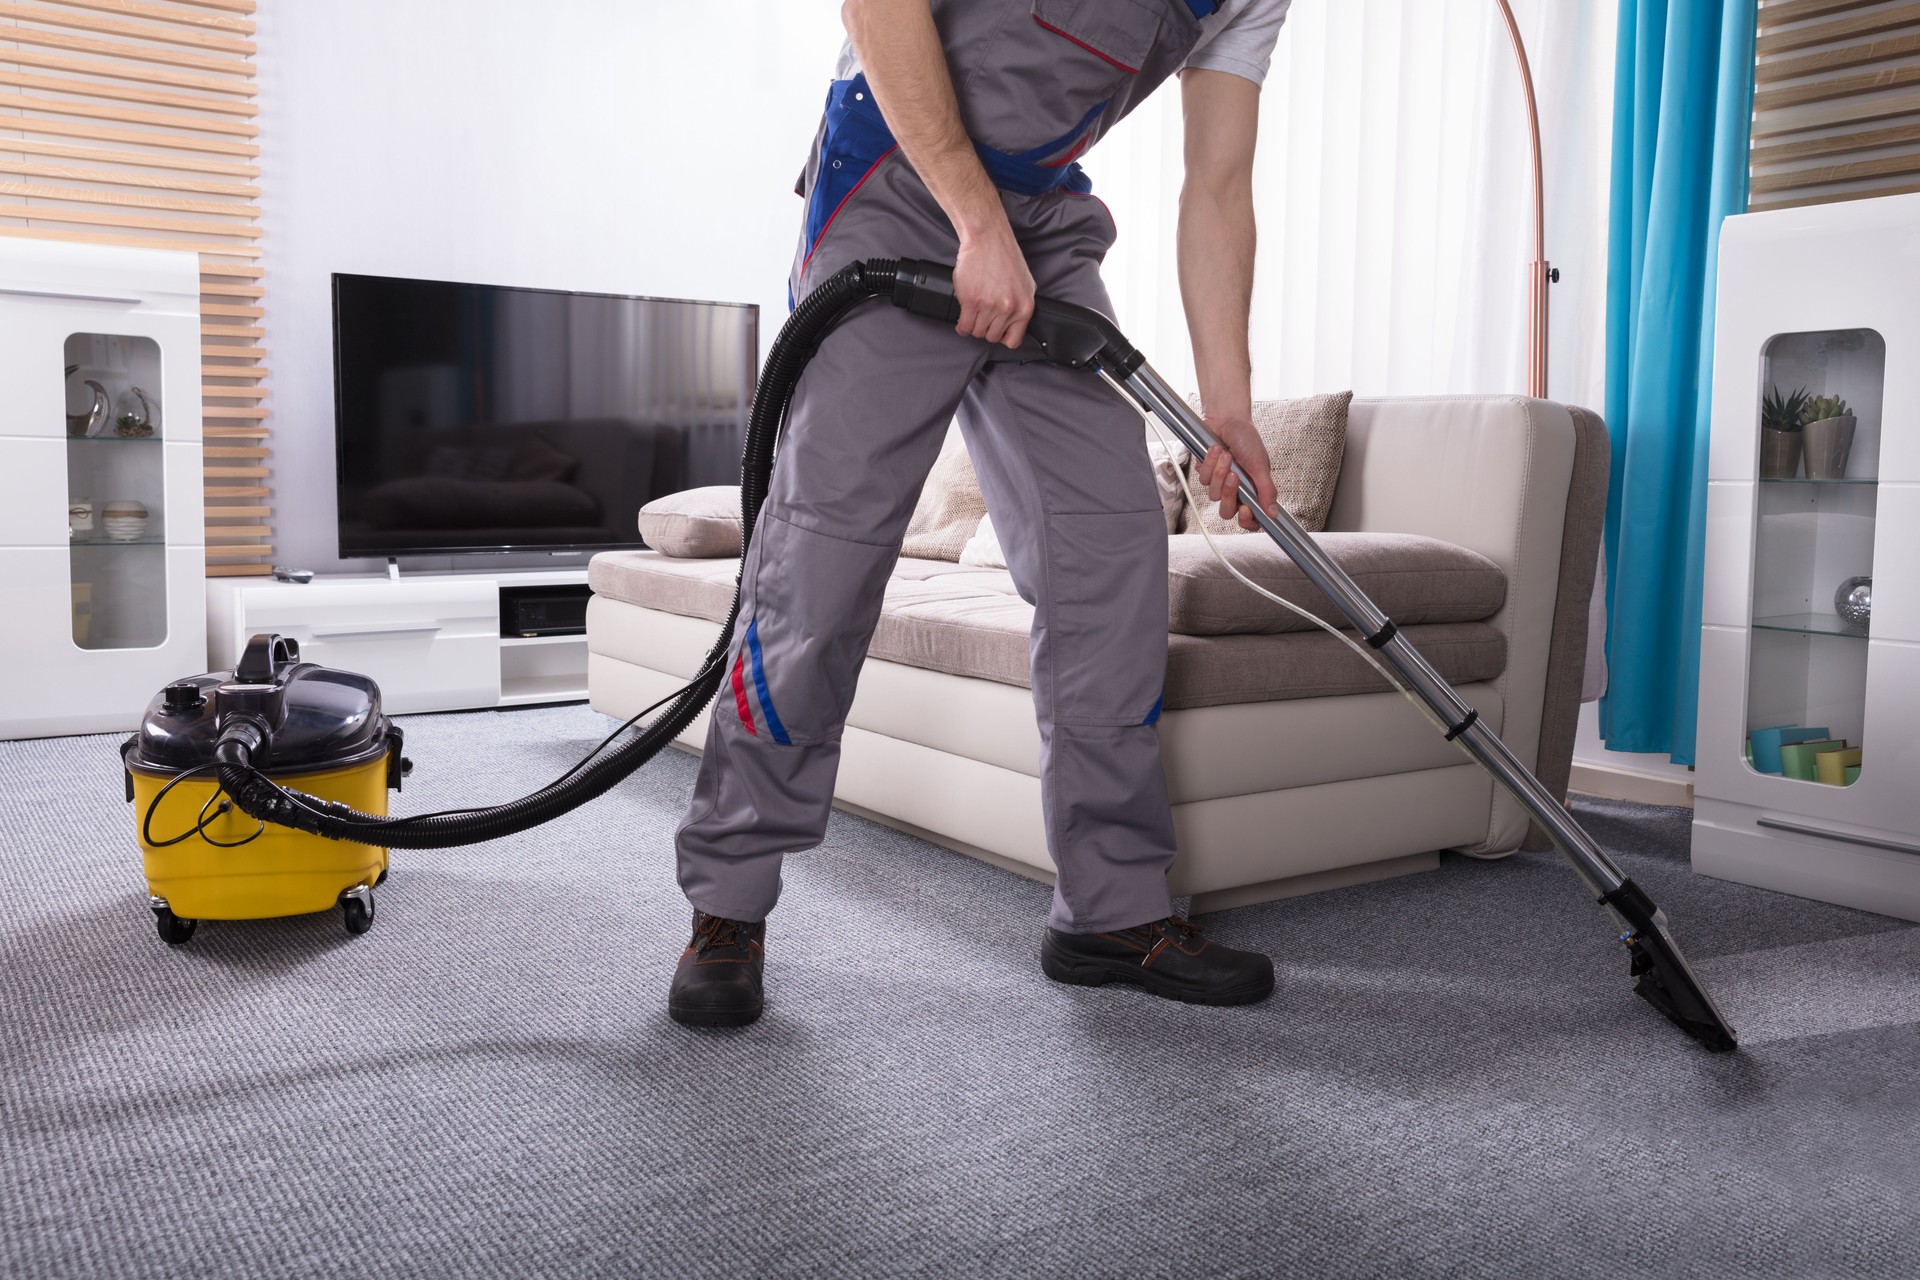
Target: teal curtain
1683 99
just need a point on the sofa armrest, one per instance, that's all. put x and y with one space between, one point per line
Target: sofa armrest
1503 476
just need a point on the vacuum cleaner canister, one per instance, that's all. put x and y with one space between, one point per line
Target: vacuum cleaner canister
205 858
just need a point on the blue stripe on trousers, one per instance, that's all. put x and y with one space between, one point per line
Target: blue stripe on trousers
778 730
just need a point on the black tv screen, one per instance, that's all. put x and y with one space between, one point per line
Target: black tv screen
476 418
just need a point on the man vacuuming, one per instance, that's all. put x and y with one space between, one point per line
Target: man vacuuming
952 134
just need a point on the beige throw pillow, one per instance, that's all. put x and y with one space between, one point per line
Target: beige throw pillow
949 510
1305 439
694 524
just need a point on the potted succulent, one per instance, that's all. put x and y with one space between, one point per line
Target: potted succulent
1780 438
1827 429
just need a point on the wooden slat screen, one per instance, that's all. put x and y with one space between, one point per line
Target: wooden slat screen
132 122
1836 105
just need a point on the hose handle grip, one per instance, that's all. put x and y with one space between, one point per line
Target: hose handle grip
1066 334
266 656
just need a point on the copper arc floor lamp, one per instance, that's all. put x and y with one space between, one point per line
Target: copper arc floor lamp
1539 274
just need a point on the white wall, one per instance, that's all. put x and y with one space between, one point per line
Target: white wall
624 146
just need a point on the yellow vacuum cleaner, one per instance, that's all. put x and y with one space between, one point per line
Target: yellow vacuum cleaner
207 860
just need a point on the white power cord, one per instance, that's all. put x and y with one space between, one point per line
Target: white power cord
1200 505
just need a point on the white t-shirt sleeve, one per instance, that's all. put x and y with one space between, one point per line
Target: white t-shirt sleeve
1239 38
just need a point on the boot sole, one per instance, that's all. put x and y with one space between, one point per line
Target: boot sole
1092 973
697 1016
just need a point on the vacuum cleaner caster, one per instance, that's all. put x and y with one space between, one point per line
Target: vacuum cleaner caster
173 929
356 904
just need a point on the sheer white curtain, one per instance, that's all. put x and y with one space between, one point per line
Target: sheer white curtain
1392 192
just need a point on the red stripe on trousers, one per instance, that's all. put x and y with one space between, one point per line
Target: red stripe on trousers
740 694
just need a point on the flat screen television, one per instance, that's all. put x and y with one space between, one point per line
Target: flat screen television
477 418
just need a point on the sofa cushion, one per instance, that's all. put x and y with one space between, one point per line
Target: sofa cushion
971 622
668 583
1218 671
1306 440
694 523
1413 579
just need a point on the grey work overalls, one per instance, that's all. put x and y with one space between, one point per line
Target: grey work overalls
1062 463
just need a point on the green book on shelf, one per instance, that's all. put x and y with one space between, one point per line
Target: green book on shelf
1852 775
1796 758
1831 767
1765 743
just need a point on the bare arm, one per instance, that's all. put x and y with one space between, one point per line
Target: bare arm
899 49
1216 243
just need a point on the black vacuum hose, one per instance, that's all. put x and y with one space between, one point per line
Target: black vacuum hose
255 794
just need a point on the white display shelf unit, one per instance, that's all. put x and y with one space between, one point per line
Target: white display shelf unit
1819 298
101 614
431 641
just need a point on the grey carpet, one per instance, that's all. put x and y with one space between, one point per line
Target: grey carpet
1454 1078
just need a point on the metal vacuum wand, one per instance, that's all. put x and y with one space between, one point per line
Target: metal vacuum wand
1082 338
1665 979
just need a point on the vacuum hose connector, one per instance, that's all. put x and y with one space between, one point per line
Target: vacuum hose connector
242 738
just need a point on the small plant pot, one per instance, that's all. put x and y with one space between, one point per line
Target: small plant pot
1779 454
1829 443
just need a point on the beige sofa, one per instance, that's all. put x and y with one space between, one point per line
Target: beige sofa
1291 766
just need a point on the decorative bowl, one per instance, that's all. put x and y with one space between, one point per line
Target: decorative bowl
123 521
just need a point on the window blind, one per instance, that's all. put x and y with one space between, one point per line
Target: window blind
1836 109
132 122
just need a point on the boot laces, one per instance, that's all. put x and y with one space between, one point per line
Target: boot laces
716 932
1175 929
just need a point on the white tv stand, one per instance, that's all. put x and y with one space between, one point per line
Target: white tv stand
431 641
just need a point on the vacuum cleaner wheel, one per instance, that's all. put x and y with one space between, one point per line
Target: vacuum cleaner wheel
356 905
173 929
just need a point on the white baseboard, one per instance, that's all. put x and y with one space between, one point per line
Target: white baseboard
1612 783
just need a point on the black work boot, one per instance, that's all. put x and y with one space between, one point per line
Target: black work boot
1170 958
717 983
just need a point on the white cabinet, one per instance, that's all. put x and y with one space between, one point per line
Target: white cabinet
431 642
1820 300
102 549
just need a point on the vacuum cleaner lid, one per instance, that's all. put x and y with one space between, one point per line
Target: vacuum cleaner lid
315 717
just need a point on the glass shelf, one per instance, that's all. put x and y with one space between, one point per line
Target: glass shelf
1812 624
1815 516
119 597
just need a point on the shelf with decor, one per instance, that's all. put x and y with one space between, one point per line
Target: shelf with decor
1810 643
1814 533
100 482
